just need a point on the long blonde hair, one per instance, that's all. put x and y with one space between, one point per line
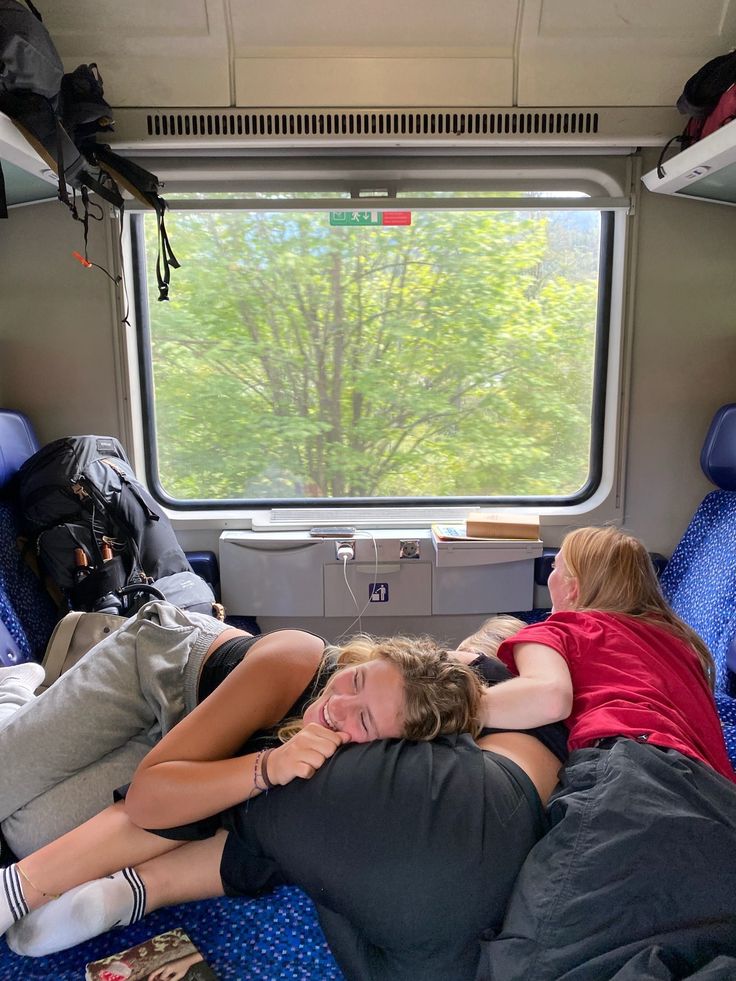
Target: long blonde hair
441 695
615 574
491 634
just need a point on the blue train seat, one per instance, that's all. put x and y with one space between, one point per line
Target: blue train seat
27 613
700 578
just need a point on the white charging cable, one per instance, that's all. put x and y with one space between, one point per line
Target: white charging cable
348 553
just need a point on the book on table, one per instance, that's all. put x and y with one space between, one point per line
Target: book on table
170 956
482 526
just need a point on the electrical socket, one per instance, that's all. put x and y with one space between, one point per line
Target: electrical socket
344 550
409 548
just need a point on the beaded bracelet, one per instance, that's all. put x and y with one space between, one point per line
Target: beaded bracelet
257 771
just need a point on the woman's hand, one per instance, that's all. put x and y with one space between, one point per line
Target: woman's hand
175 970
303 754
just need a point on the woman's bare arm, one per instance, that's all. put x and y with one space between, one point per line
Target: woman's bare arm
191 773
541 693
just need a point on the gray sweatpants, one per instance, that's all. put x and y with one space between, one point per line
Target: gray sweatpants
65 752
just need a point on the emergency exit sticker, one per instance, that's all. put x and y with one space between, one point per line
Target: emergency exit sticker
356 219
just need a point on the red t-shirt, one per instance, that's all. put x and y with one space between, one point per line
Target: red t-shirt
630 678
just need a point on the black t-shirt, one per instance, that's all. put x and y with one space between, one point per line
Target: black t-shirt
228 656
554 736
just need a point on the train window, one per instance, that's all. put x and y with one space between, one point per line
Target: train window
450 347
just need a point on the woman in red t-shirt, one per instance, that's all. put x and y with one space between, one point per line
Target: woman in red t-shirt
638 870
613 659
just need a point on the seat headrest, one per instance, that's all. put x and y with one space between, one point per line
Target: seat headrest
17 442
718 457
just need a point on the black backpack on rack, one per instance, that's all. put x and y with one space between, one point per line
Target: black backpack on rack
60 114
98 534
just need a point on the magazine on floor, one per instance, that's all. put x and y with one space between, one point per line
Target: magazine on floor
170 956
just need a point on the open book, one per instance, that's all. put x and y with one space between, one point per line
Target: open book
169 956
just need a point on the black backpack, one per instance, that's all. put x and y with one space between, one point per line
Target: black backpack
60 114
97 532
703 90
30 62
31 76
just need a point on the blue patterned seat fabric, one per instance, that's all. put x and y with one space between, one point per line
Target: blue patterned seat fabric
700 578
273 938
27 613
700 584
26 609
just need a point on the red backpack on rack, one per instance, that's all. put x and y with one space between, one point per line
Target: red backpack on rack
709 98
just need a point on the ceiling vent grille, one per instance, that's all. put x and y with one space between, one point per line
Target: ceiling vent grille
260 125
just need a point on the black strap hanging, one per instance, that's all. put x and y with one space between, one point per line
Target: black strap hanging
683 139
107 190
63 193
165 259
3 199
34 10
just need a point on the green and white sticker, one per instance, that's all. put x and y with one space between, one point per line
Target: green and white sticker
359 219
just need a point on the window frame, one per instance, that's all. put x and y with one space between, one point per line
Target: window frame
604 461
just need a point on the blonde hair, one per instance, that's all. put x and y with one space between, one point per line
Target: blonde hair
441 695
491 634
615 574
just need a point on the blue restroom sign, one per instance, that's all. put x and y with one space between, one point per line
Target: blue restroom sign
378 592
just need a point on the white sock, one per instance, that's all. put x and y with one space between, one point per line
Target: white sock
13 903
81 913
17 685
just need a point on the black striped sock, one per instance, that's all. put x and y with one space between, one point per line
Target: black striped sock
13 902
139 894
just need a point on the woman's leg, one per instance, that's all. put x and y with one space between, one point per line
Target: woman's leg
102 845
182 875
73 801
107 842
138 682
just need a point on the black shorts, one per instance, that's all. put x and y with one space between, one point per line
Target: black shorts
386 839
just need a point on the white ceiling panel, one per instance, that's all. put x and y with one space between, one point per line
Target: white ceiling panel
374 82
607 77
130 82
598 53
170 53
633 19
149 52
133 18
379 24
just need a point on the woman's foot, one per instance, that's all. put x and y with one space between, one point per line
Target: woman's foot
80 914
18 682
26 676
